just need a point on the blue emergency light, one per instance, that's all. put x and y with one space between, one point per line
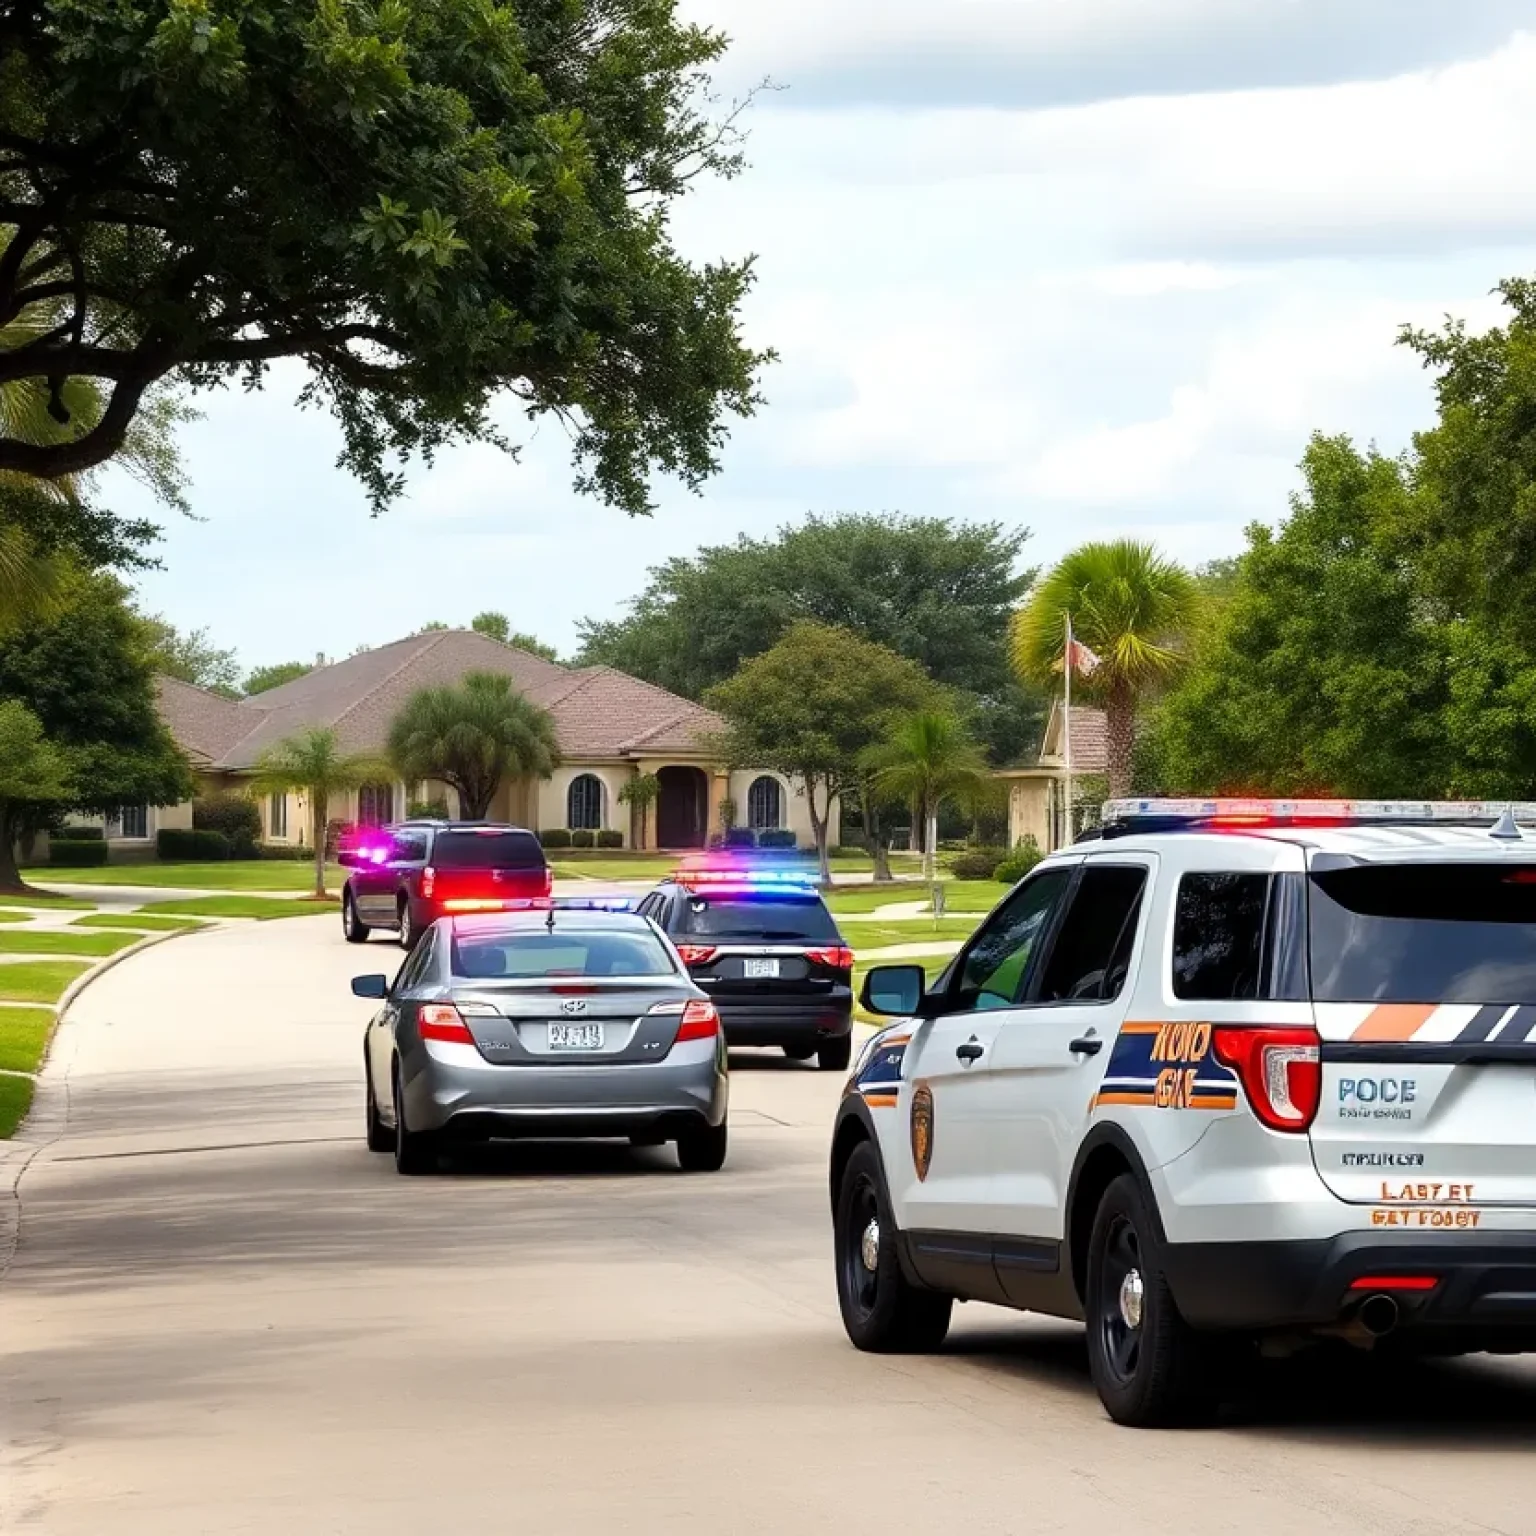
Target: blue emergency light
738 875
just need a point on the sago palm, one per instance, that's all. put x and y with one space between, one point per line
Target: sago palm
471 737
926 758
1134 609
311 763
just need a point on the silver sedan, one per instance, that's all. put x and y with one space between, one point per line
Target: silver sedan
543 1023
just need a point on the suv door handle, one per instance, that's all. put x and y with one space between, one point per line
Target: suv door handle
971 1050
1087 1045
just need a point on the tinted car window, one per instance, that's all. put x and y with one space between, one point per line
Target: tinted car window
487 850
416 963
1218 936
1424 933
1088 961
993 971
630 953
408 847
755 917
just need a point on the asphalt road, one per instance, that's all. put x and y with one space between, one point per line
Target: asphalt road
223 1315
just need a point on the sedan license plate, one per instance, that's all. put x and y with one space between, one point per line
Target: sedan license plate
575 1037
751 968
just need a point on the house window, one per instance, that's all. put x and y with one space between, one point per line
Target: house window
375 805
133 821
584 803
277 816
765 805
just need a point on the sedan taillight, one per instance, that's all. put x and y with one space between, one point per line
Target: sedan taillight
699 1019
442 1021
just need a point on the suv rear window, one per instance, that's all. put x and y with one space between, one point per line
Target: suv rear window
487 850
756 917
1423 933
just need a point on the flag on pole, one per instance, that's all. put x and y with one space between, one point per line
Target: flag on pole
1080 659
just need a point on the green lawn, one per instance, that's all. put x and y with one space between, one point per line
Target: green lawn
14 917
38 981
564 867
133 920
43 902
24 1037
959 895
15 1101
931 965
863 934
46 942
240 906
222 875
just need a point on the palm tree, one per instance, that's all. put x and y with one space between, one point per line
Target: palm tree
312 763
926 758
471 737
1134 609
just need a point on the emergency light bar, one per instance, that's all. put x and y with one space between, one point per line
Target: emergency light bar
738 877
1249 812
483 904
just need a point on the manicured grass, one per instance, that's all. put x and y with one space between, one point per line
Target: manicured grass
15 917
563 867
222 875
931 964
43 941
959 896
38 981
15 1101
863 934
133 920
24 1037
43 902
241 906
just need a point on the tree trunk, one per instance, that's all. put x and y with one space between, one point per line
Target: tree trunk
874 841
1120 729
819 829
318 806
10 877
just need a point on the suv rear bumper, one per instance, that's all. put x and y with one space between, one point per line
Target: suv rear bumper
1486 1284
790 1021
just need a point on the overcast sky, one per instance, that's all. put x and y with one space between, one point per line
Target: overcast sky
1097 267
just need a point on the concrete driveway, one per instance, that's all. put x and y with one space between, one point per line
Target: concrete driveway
224 1316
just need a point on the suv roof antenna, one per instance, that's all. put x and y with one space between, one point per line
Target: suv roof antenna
1506 829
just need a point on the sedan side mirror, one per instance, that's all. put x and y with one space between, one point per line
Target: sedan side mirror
370 986
894 989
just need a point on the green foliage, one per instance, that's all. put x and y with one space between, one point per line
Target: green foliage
471 736
933 589
519 640
738 837
640 791
191 657
76 855
497 626
236 817
264 679
1026 854
582 837
978 863
776 837
428 810
608 837
180 843
555 837
428 205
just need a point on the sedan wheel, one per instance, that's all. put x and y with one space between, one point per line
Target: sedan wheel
702 1149
380 1137
415 1151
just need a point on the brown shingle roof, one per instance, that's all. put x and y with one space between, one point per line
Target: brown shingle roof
205 725
598 712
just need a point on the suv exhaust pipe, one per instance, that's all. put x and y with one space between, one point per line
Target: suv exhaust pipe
1377 1315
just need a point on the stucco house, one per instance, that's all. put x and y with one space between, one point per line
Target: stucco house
611 728
1037 791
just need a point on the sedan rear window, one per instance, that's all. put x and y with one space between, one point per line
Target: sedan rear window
1423 933
527 955
757 917
487 850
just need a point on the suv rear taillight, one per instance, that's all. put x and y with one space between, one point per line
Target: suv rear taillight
1280 1069
428 880
441 1021
838 959
696 954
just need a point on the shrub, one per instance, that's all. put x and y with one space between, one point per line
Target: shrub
583 837
196 843
847 851
740 837
608 838
286 853
776 837
81 834
237 817
427 810
77 853
555 837
977 863
727 813
1026 854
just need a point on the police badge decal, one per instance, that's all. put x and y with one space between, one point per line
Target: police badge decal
922 1129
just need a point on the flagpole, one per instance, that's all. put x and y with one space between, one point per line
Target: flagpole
1066 726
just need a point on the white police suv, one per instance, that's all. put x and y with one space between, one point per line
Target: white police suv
1229 1075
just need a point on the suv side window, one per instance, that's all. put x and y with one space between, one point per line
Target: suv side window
1218 937
996 966
1092 953
408 848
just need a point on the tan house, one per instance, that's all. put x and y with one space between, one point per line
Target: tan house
611 728
1037 792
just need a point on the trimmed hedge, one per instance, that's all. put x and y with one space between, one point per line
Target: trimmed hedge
82 835
290 853
555 837
608 838
977 863
778 837
740 837
583 837
236 818
199 844
77 853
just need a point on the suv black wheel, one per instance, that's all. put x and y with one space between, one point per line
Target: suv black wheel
882 1311
353 928
415 1151
408 934
380 1137
799 1052
701 1149
1150 1367
835 1055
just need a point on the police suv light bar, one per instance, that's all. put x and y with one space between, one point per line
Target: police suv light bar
743 877
1251 812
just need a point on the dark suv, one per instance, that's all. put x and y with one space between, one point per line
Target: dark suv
405 877
770 958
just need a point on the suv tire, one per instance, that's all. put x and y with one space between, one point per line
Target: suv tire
836 1054
883 1313
353 929
408 933
1151 1369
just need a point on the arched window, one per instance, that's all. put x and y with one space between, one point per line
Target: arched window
584 803
765 805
